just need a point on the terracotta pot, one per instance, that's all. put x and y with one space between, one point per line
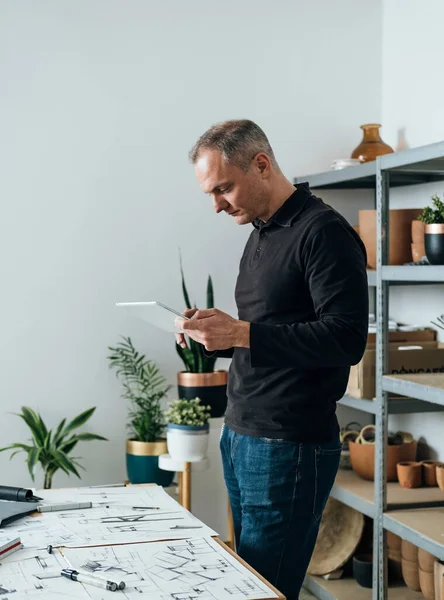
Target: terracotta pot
429 472
371 145
427 584
410 574
418 231
400 233
439 574
394 542
418 252
363 459
440 476
409 551
409 474
426 561
395 555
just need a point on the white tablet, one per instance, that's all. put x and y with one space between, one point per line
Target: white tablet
155 313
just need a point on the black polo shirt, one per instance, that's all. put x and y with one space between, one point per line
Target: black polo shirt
302 285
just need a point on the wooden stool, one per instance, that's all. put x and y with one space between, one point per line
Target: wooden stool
183 470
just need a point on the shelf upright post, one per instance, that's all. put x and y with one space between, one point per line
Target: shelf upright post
382 357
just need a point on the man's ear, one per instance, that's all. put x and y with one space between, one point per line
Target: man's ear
262 163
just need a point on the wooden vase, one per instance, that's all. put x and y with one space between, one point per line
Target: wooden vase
418 231
400 233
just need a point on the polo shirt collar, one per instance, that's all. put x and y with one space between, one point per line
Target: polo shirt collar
287 213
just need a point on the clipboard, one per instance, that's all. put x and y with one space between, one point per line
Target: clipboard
155 313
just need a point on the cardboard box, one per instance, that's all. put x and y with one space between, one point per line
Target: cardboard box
429 358
424 335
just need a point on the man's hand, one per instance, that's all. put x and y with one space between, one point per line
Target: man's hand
180 337
215 329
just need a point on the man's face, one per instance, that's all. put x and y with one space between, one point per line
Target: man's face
241 194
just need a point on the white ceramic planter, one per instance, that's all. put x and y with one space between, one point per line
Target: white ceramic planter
187 443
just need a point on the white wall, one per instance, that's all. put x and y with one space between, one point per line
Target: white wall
412 100
101 101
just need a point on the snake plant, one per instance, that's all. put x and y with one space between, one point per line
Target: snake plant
193 356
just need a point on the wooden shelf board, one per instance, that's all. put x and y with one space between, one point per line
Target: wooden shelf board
423 527
359 493
430 379
348 589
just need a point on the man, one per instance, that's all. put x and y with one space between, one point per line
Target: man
302 300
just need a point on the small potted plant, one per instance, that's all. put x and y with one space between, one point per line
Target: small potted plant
434 231
52 448
188 429
144 387
200 379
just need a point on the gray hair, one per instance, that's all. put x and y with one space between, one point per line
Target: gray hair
237 141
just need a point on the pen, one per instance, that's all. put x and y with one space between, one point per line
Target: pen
129 507
89 579
65 506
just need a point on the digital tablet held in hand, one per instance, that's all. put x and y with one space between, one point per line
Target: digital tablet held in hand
155 313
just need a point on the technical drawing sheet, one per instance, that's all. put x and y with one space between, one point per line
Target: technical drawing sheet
38 578
149 495
192 569
119 516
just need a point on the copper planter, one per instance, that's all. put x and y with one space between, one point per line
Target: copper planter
434 243
211 388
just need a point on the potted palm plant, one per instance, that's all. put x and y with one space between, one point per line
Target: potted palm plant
188 429
434 231
52 448
144 387
200 379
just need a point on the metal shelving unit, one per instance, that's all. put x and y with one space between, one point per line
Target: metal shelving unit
421 386
359 494
418 525
348 589
395 406
422 527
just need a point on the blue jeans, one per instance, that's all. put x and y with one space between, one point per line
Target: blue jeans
278 491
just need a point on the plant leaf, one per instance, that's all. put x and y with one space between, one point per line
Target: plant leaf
31 419
24 447
64 463
84 437
78 421
184 287
58 434
210 293
32 460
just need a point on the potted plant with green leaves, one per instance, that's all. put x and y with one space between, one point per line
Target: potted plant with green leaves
434 231
144 388
188 429
200 379
52 448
